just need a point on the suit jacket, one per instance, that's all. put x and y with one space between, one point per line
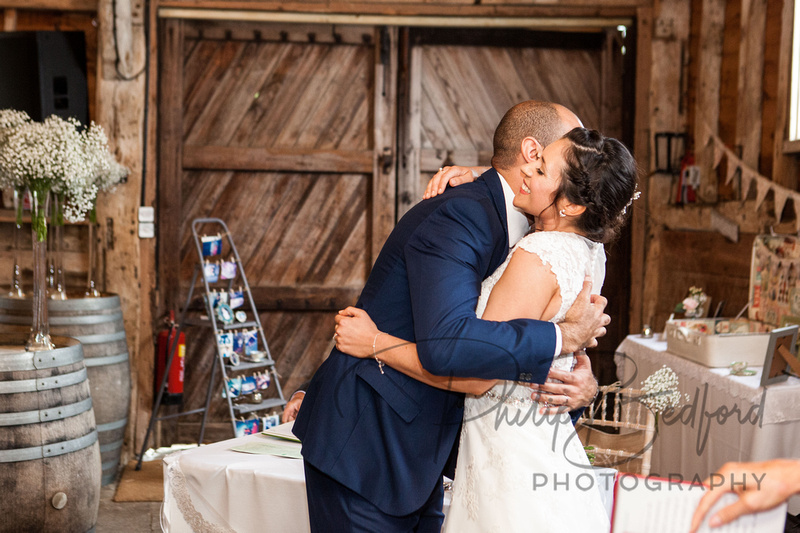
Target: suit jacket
388 437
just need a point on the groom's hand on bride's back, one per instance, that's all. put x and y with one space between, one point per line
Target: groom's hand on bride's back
585 321
567 390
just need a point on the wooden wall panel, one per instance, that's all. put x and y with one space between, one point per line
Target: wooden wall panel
306 219
452 122
702 259
751 79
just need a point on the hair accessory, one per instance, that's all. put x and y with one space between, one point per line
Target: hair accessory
636 194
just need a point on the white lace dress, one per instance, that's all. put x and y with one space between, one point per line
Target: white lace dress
518 470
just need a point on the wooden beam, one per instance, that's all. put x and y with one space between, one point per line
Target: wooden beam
55 5
641 150
465 9
265 159
300 298
670 45
751 75
384 138
539 23
120 110
408 177
431 159
708 82
170 159
142 393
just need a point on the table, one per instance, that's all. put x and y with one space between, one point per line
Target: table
213 488
728 418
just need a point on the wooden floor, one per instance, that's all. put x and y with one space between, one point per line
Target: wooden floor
128 517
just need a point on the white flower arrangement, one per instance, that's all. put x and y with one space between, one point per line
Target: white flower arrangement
661 391
56 155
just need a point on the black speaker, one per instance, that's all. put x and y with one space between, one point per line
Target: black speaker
44 73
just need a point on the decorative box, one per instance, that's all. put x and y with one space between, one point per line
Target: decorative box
717 342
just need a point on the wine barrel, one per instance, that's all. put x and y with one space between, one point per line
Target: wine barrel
97 323
49 454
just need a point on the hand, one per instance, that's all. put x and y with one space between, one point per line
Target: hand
567 391
292 407
355 332
585 321
767 485
454 175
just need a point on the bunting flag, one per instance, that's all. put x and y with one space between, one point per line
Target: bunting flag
748 175
731 171
747 178
719 151
781 195
763 186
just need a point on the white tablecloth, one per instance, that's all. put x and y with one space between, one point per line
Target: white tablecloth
213 488
728 418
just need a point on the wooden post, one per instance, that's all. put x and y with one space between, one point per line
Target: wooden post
385 104
641 149
708 82
409 185
120 110
751 75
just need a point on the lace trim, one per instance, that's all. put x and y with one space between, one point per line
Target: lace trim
569 256
782 404
184 501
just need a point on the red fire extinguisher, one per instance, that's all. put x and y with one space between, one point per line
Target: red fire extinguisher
173 392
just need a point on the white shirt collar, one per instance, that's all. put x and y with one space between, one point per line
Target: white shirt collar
518 224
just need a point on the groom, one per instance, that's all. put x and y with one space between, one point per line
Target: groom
376 442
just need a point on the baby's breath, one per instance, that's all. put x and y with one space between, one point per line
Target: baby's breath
57 155
661 391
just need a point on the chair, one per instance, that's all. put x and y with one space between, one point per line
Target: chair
628 445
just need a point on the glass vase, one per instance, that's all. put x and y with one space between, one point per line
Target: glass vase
58 288
16 280
91 288
40 329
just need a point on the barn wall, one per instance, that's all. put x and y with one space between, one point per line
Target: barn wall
692 55
723 66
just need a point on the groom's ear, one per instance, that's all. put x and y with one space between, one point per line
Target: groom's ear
531 149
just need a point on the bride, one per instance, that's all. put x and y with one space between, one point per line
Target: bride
520 464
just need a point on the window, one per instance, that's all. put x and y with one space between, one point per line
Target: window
794 94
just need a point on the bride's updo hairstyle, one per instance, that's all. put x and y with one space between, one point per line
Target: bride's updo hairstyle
600 174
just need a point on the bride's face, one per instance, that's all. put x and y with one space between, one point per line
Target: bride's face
541 180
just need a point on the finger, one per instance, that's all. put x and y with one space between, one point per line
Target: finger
706 502
349 311
554 389
586 290
560 375
729 514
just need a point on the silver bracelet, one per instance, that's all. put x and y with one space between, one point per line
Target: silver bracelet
374 354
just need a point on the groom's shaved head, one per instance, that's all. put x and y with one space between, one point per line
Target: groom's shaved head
544 121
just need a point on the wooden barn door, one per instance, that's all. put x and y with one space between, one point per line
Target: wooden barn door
458 85
286 133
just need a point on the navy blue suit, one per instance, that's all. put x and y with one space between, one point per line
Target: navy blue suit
388 437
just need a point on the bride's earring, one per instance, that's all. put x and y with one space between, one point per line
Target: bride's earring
562 214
